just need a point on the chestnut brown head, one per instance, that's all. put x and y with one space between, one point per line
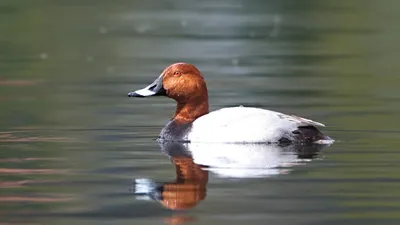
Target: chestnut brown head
180 81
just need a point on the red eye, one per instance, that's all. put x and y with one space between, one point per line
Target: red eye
177 73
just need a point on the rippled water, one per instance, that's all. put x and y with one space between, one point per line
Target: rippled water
72 142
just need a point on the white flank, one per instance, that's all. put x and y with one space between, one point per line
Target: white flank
245 124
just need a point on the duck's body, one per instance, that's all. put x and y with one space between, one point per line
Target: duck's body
244 125
192 121
251 125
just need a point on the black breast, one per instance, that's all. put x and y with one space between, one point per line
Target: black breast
175 131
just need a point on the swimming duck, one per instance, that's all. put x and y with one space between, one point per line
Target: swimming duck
192 121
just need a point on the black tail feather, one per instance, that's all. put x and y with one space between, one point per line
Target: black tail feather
308 134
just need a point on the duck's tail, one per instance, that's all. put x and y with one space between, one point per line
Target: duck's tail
311 135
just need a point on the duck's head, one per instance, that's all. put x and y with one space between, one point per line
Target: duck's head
182 82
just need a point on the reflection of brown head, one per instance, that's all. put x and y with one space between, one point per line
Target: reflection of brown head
179 219
189 188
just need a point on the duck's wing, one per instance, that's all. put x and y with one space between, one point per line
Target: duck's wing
300 120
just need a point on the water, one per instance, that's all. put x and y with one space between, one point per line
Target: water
72 142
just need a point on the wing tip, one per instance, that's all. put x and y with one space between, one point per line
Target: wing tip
311 122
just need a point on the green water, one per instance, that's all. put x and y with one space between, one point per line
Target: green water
71 141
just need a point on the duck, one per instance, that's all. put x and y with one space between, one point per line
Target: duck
192 121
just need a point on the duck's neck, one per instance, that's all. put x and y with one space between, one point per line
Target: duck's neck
187 112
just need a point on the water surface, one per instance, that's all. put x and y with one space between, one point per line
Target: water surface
72 141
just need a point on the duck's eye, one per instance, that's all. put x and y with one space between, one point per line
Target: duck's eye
177 73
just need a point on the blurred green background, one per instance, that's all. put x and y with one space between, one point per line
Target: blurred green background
71 140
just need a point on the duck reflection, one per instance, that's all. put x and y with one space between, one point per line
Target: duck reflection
189 187
194 161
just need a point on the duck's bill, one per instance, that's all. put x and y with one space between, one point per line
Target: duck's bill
154 89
